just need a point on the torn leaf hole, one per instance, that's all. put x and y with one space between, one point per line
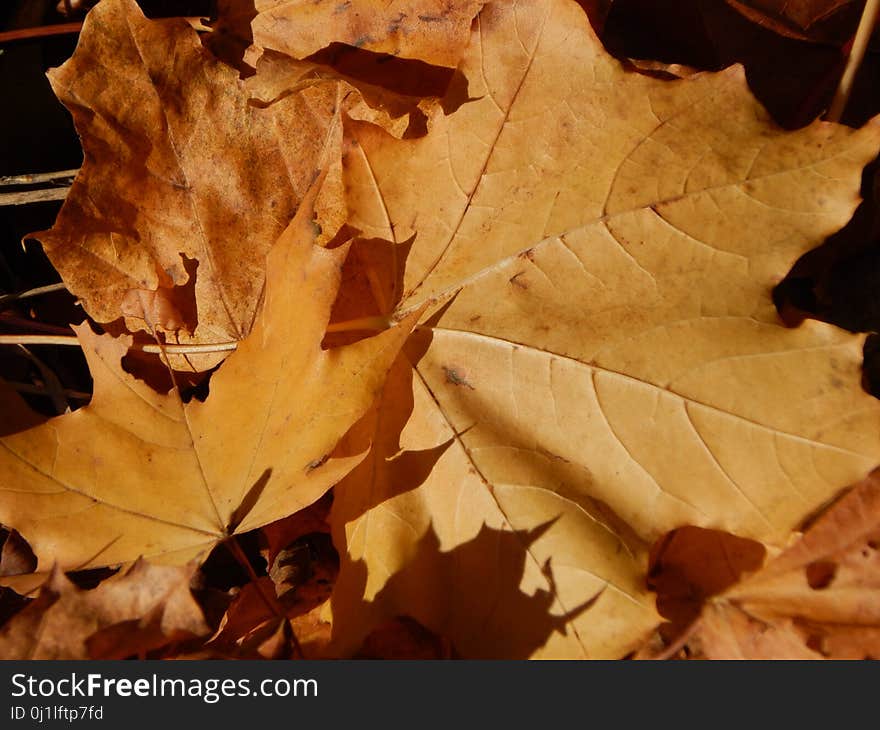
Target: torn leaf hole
820 574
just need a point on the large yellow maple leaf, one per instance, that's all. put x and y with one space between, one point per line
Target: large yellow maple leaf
141 474
604 362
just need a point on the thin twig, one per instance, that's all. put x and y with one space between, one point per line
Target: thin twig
35 292
31 325
186 349
53 387
37 390
39 340
72 341
33 178
854 62
271 601
43 31
33 196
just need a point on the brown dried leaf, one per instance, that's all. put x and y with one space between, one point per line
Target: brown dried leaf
60 621
178 166
819 598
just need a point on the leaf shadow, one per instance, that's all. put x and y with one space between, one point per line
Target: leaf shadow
471 594
555 473
390 469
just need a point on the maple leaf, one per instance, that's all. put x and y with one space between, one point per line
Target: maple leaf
137 473
605 362
63 618
819 598
292 596
159 223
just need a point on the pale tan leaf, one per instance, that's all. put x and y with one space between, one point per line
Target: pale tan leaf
59 622
604 362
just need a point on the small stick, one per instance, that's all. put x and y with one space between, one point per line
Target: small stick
39 340
53 389
271 601
32 178
72 341
33 196
31 325
854 62
35 292
37 390
24 34
186 349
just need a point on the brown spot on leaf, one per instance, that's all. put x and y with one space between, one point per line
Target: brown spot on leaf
315 463
456 377
820 574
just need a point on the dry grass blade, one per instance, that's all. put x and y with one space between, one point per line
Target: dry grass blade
860 46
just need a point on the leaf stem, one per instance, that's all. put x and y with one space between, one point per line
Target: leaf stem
854 62
37 291
39 340
33 196
23 34
72 341
37 390
33 178
271 601
43 31
186 349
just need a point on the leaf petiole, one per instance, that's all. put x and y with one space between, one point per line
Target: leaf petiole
72 341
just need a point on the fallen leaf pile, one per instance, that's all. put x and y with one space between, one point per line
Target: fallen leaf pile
505 295
819 598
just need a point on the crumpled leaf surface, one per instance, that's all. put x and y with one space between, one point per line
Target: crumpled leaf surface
137 473
433 31
819 598
178 167
605 362
60 621
279 76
